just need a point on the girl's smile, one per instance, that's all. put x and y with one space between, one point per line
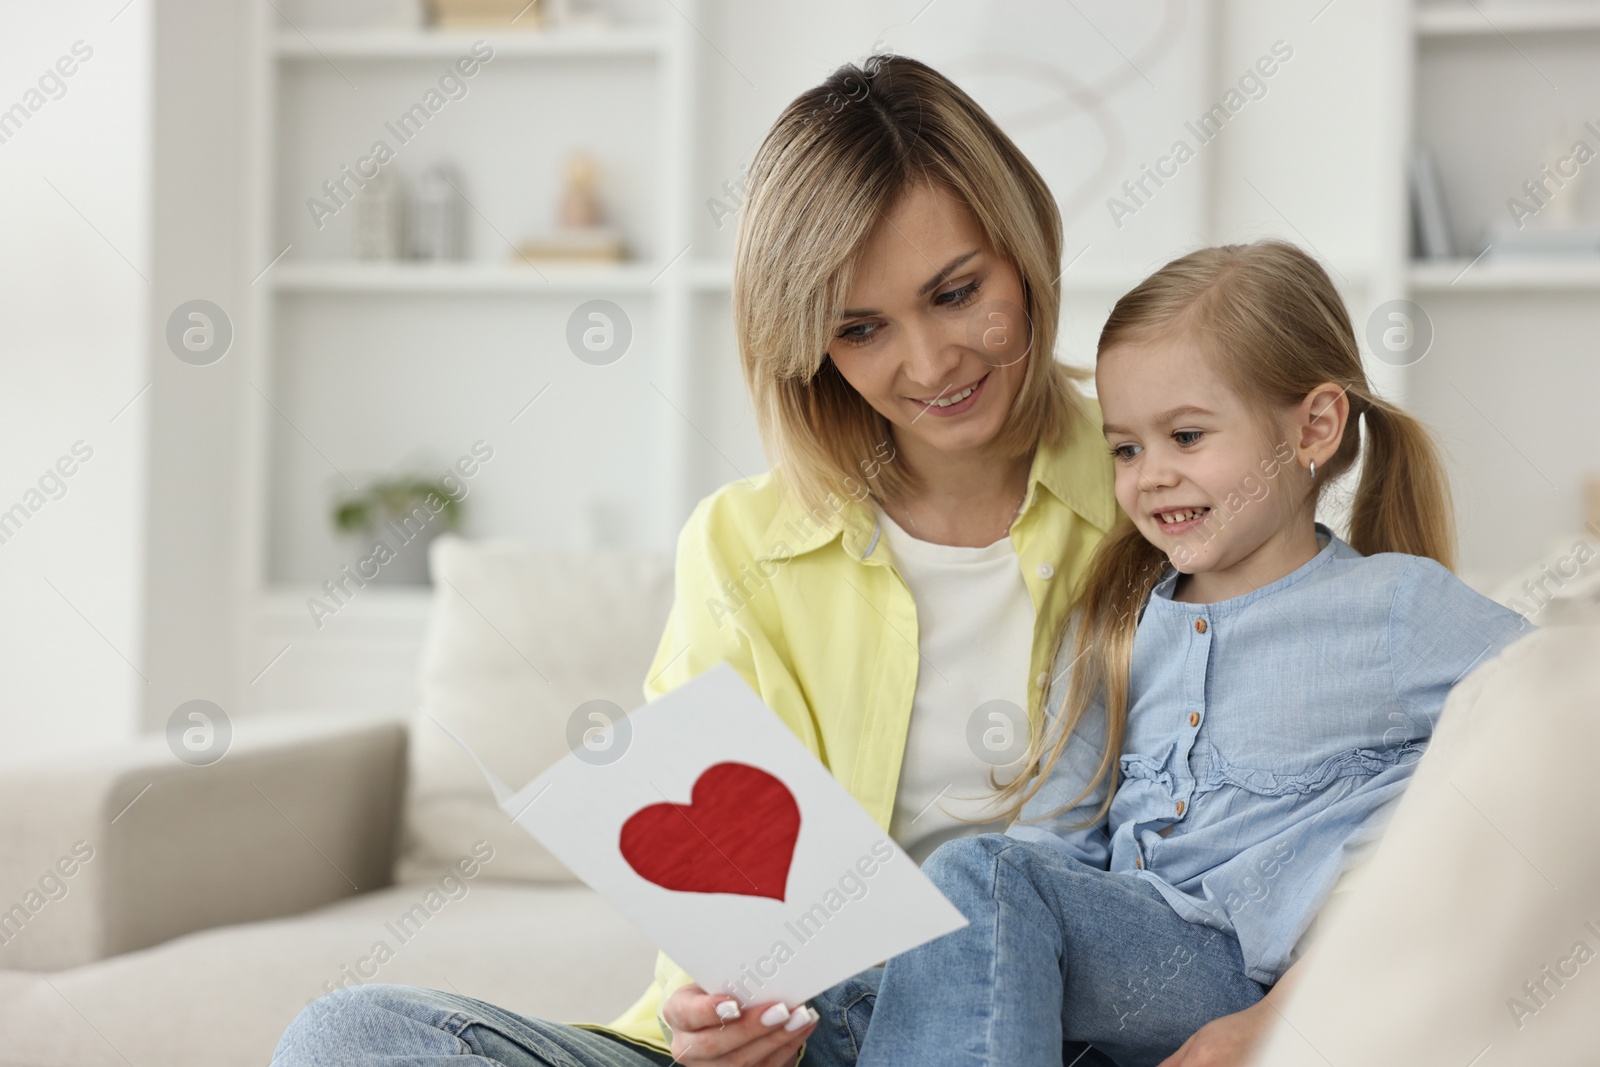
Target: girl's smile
1175 521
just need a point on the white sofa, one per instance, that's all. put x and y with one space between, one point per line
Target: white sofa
215 902
219 900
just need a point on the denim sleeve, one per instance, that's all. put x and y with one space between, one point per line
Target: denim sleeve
1440 629
1090 844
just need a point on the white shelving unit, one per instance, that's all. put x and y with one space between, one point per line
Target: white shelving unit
1506 275
1493 19
1499 89
1442 27
417 277
568 43
300 75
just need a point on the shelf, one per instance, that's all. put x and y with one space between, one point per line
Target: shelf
562 279
371 602
711 275
1492 20
576 42
1520 274
371 615
558 278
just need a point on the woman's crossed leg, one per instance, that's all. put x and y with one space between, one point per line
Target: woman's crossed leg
407 1026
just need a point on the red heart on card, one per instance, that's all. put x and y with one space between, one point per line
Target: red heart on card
736 835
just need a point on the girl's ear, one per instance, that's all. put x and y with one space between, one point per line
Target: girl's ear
1321 419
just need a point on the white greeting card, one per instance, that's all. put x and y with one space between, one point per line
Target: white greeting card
713 829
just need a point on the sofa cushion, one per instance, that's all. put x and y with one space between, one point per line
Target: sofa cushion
518 639
1560 589
223 997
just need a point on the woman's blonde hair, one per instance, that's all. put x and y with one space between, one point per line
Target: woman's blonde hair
834 163
1269 322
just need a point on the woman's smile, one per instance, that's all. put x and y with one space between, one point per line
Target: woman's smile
952 402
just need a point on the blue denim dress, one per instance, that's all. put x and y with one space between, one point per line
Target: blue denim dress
1269 736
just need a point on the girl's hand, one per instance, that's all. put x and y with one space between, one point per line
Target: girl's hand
757 1037
1228 1041
1232 1040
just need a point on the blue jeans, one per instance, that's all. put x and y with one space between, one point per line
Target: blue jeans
846 1012
1057 955
407 1026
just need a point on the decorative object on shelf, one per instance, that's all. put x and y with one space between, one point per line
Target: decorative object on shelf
1430 221
381 217
581 232
437 221
1550 215
580 207
587 13
488 14
405 514
373 14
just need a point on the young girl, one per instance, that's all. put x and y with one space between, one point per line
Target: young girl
1264 687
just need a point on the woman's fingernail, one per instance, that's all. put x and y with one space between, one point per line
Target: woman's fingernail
802 1018
774 1015
728 1009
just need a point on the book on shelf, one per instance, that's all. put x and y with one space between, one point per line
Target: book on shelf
1430 221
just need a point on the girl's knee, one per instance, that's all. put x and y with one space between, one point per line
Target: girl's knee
985 862
966 859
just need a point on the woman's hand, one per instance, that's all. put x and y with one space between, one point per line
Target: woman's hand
756 1037
1228 1041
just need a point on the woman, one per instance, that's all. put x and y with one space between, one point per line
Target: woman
892 587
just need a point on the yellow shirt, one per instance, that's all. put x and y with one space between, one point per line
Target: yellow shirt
811 612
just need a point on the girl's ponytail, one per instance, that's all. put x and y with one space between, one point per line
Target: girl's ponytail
1402 501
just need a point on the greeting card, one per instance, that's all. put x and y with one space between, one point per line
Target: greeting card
715 831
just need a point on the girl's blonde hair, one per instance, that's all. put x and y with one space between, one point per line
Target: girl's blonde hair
1269 322
834 163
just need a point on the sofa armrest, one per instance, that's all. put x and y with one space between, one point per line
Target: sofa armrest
118 849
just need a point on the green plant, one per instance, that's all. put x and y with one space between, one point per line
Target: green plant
394 497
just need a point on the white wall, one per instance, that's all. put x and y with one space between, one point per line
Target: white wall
73 312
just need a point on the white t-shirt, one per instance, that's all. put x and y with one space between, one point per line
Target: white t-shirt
975 639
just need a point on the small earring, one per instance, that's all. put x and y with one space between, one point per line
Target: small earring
1313 470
